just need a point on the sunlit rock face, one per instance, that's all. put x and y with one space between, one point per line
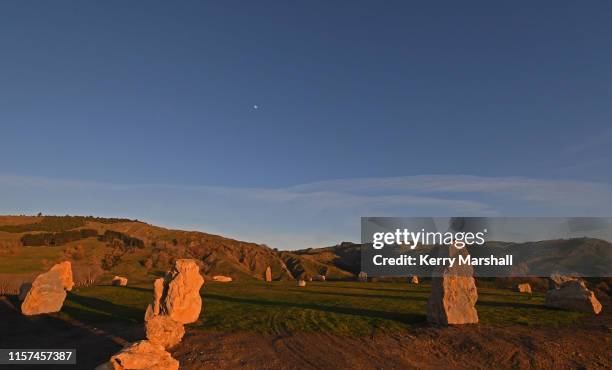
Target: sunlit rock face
573 295
453 292
524 288
47 292
141 355
178 294
268 274
164 331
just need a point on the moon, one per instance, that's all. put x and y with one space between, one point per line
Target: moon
256 106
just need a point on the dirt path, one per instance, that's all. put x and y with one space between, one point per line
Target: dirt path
586 345
466 347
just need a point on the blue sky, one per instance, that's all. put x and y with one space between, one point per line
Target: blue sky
146 109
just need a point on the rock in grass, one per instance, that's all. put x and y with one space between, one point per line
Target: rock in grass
222 279
164 331
573 295
556 280
48 291
362 277
119 281
523 288
178 294
453 292
141 355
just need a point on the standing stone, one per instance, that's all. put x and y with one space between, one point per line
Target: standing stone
119 281
268 274
573 295
48 291
453 292
524 288
141 355
164 331
301 283
178 294
414 280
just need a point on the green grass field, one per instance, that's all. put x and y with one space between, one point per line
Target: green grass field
349 308
29 260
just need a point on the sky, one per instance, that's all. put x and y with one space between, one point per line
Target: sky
146 109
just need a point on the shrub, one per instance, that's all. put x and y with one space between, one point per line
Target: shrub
111 236
87 273
55 239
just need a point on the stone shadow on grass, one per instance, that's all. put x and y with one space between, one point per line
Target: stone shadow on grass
381 289
51 331
357 295
99 311
138 289
512 304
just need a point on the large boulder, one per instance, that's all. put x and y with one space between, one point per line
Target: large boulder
556 280
141 355
164 331
268 274
178 294
119 281
523 288
453 292
573 295
48 291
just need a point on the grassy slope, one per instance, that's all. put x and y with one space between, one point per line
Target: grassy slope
346 308
220 255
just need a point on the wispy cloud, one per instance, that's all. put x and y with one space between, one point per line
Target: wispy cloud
304 215
543 191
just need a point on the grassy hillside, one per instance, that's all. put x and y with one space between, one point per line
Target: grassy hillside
337 262
100 248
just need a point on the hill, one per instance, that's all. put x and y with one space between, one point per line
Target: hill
103 247
130 247
341 261
100 248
